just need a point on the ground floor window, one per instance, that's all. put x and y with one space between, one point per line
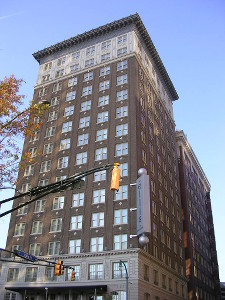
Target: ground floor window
10 296
119 295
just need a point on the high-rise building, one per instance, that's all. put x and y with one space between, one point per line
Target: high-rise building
111 101
199 238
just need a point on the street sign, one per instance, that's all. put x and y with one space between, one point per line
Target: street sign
143 205
26 256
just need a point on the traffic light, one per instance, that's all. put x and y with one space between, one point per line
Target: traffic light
61 268
72 277
115 178
58 268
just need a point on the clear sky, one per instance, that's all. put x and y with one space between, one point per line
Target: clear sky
189 36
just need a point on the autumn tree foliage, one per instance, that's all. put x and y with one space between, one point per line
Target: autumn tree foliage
15 123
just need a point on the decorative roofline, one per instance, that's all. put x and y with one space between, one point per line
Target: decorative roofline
132 19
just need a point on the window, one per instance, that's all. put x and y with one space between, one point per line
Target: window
67 127
76 222
170 285
84 122
63 162
147 296
96 271
56 225
60 178
53 248
74 68
100 176
35 136
74 246
106 45
39 206
97 219
78 199
122 112
48 66
101 135
105 57
154 208
101 153
96 244
35 249
76 277
155 230
45 166
50 131
122 39
156 277
64 144
37 227
58 203
89 63
123 169
59 73
43 92
61 61
122 79
122 65
23 210
69 111
48 148
102 117
122 95
57 87
120 216
146 272
121 149
50 274
105 71
29 170
122 193
76 55
90 50
121 129
72 81
104 85
155 251
13 274
16 248
33 152
88 76
31 274
86 105
120 242
20 229
119 270
82 139
70 96
99 196
26 187
81 158
121 51
104 100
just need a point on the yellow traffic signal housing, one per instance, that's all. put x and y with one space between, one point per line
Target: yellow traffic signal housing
58 268
115 178
72 277
61 268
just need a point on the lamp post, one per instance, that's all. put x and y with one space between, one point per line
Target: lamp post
120 267
46 293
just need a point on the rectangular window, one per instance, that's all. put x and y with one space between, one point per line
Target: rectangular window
32 152
23 210
76 55
50 274
105 71
37 227
119 270
122 39
31 274
95 272
26 187
100 176
45 166
70 96
86 105
20 229
67 127
61 61
78 200
69 111
87 90
29 170
72 81
120 216
84 122
96 244
50 131
122 95
82 139
120 242
88 76
64 144
121 51
48 148
35 249
97 219
76 270
48 66
101 135
122 193
123 169
43 92
146 272
60 178
58 203
76 222
56 225
122 65
122 79
53 248
121 149
39 206
90 50
63 162
59 73
105 57
155 277
74 68
122 112
99 196
13 274
74 246
102 117
101 153
104 100
57 87
104 85
89 62
81 158
106 45
122 129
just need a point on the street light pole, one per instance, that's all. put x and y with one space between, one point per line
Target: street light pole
122 262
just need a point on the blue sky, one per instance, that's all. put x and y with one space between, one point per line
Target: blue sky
190 39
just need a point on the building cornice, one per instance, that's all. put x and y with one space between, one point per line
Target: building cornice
132 19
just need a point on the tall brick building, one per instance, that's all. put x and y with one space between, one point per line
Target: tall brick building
111 101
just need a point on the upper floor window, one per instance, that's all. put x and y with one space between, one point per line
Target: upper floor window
59 73
37 227
81 158
101 153
120 216
58 203
96 244
120 242
74 68
26 187
53 115
23 210
45 166
67 127
121 129
122 112
13 275
88 76
55 101
104 85
50 131
122 79
100 176
97 219
76 55
64 144
105 71
90 50
123 169
89 62
61 61
122 95
87 90
29 170
70 95
53 248
122 65
43 92
95 271
72 81
35 249
82 139
122 193
20 229
69 111
101 135
74 247
48 66
45 78
31 274
118 272
102 117
106 45
56 225
57 87
86 105
104 100
122 51
40 206
122 39
78 200
105 57
76 222
84 122
121 149
99 196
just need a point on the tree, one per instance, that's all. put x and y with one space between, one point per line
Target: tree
15 123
